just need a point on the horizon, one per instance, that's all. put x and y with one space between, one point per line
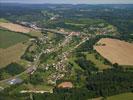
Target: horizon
68 2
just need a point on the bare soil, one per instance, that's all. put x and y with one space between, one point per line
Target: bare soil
65 85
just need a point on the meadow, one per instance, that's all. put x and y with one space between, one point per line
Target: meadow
124 96
99 61
11 54
8 38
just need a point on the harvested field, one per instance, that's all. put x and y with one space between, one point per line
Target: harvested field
15 27
11 54
20 28
65 85
116 51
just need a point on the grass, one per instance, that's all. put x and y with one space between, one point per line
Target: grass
3 20
50 35
24 63
35 33
85 21
75 75
76 66
40 87
124 96
8 38
11 54
75 24
98 62
44 87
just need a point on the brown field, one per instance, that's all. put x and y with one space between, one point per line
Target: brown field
11 54
15 27
116 51
65 85
20 28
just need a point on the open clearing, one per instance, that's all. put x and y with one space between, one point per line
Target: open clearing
8 38
116 51
11 54
15 27
124 96
65 85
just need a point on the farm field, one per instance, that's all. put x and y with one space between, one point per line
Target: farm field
11 54
15 27
124 96
35 33
116 51
18 28
8 38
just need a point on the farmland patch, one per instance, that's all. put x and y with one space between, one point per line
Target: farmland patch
116 51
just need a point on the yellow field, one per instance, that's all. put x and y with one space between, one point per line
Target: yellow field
116 51
15 27
11 54
19 28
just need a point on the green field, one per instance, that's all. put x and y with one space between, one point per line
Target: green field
8 38
124 96
98 62
3 20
